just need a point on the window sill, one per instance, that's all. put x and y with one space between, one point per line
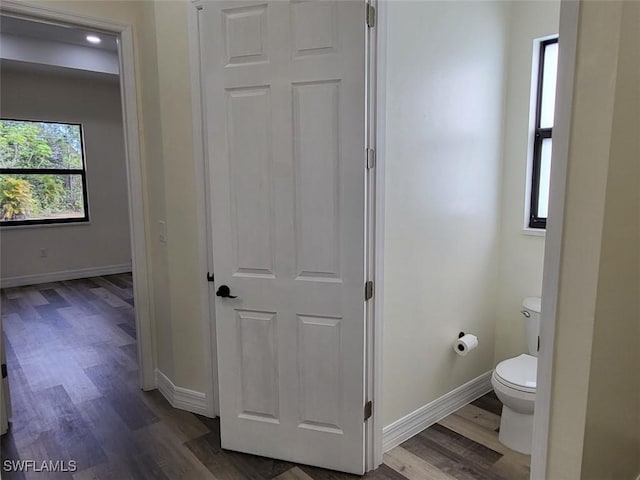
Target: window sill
534 232
9 228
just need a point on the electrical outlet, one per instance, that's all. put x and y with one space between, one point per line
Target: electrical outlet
44 253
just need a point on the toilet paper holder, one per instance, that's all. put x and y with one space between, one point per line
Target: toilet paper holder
465 344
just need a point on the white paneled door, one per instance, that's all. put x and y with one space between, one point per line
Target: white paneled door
285 100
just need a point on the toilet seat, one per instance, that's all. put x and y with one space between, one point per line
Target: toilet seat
518 373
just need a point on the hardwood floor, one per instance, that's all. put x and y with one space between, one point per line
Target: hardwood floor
72 367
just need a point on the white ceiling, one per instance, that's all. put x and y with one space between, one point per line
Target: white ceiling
58 33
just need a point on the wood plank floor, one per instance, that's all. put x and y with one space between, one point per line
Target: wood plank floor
72 364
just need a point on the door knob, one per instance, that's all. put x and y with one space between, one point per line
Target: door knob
224 292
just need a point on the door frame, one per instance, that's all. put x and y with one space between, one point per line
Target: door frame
128 94
568 32
376 134
203 195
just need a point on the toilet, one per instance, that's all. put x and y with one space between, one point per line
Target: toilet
514 381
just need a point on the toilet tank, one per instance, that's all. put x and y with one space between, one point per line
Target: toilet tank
531 313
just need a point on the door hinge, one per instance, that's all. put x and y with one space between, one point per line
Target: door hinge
368 290
371 158
209 277
368 410
371 16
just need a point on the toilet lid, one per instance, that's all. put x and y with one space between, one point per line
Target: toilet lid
519 372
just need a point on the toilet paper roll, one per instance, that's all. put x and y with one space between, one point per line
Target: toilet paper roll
465 344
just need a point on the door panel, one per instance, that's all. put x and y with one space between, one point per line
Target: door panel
316 163
258 365
285 101
319 356
248 118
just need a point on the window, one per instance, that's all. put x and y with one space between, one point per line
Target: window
545 104
42 173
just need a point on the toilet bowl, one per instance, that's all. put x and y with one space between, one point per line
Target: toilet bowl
514 382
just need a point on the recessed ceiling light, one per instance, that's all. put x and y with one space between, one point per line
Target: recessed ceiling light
93 39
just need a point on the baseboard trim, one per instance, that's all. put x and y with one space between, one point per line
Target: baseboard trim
20 281
182 398
425 416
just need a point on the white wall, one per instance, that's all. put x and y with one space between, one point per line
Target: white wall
183 262
54 96
594 430
521 255
166 137
445 91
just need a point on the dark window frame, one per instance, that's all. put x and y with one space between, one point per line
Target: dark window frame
540 134
51 171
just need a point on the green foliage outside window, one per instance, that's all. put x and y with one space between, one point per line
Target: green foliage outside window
31 155
16 198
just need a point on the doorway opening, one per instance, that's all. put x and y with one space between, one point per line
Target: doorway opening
455 133
73 333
